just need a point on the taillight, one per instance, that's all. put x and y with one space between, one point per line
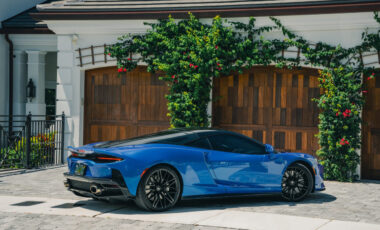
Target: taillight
96 157
72 154
108 158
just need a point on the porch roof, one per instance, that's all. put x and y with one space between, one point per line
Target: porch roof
153 9
23 23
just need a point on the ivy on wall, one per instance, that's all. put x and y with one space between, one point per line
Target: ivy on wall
191 53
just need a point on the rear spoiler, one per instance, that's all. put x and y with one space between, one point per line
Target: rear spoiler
80 152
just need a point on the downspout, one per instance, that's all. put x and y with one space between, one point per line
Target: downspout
10 84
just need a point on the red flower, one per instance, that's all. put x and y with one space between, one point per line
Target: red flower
324 80
216 47
364 91
373 74
173 76
217 64
125 70
175 81
195 66
120 70
129 59
191 65
342 141
220 68
337 114
109 54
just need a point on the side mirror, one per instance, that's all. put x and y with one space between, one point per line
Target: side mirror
269 149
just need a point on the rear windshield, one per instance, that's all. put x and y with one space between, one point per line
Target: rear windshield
165 137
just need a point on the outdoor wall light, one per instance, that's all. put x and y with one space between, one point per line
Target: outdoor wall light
30 90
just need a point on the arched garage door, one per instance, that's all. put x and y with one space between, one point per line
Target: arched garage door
370 158
271 105
122 107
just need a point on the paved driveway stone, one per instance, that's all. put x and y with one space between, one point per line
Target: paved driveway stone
36 183
11 221
359 202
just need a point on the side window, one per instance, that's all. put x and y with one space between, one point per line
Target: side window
235 144
200 143
177 140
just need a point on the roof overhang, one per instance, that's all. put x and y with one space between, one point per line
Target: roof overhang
20 30
259 10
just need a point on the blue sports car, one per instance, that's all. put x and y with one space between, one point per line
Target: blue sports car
158 170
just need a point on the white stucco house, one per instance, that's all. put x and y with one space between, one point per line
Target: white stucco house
64 49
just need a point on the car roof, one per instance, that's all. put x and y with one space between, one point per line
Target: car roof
177 136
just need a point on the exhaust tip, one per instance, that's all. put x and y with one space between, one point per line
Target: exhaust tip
96 190
66 183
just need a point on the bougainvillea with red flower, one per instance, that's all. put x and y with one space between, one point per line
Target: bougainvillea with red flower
190 53
339 126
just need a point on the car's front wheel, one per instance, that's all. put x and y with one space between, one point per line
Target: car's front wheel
159 189
297 182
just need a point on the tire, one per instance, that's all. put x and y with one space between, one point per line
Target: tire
159 189
297 183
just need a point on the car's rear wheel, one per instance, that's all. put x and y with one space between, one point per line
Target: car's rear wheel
297 182
159 189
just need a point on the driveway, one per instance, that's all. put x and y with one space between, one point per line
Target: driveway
342 205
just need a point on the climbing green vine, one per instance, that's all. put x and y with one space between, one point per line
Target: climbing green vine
191 53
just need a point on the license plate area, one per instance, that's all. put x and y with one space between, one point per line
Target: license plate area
80 169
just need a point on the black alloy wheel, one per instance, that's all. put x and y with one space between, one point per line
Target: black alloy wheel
297 182
159 189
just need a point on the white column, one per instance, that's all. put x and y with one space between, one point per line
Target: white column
68 84
36 72
19 82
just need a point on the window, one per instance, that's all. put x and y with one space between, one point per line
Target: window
175 137
177 140
200 143
50 102
236 144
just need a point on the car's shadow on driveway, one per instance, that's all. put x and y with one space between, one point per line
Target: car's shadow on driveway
129 208
256 201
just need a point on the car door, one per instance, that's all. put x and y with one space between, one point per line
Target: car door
238 163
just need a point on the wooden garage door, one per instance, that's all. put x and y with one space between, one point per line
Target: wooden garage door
271 105
371 131
122 107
